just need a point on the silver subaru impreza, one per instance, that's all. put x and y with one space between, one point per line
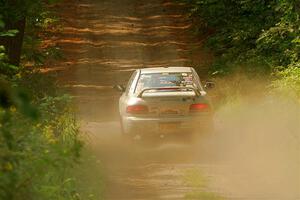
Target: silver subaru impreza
164 100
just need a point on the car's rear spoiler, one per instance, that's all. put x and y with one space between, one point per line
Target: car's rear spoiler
169 88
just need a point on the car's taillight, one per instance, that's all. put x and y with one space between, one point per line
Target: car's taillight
137 109
199 107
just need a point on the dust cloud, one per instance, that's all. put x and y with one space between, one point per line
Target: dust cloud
254 153
257 140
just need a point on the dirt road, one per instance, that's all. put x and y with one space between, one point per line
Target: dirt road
103 41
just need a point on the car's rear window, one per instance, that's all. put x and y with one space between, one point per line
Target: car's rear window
164 80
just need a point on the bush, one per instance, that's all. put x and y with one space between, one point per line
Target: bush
39 145
253 35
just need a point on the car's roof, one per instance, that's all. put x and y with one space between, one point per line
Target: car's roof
165 70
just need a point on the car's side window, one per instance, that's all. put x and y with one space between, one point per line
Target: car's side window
130 82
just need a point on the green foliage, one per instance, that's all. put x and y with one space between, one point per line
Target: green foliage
18 9
34 51
38 145
9 33
252 35
287 82
92 187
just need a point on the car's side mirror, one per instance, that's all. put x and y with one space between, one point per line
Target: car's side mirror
120 88
209 85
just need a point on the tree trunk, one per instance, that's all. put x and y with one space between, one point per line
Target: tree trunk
13 45
14 19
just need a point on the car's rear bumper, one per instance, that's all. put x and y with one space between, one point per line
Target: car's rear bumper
163 125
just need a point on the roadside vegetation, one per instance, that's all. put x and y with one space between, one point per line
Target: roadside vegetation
39 135
256 38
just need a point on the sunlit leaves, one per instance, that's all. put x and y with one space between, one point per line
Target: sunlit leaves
249 31
288 81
